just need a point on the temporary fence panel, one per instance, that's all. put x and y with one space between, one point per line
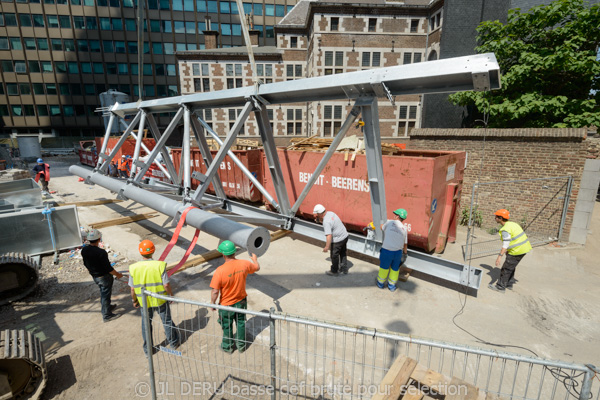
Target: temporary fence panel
539 205
425 183
291 357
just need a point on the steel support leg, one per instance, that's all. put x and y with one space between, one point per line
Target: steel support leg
185 150
214 167
111 121
370 115
266 134
138 145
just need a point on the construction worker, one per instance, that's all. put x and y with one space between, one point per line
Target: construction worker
229 280
336 239
123 167
393 250
96 261
515 245
42 172
152 275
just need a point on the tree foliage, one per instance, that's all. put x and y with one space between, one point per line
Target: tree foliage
550 71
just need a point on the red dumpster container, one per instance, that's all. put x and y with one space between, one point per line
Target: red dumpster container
235 182
426 183
88 157
128 147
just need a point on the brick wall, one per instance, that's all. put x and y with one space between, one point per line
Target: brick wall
513 154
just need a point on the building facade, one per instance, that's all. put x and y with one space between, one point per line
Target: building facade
319 39
59 55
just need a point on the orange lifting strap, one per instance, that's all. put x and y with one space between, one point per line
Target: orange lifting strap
174 240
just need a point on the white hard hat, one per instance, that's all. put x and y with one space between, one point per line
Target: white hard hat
94 234
319 209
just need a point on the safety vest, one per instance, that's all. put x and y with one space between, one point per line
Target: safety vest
46 173
148 275
122 165
519 243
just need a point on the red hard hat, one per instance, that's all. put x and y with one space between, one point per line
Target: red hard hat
146 247
503 213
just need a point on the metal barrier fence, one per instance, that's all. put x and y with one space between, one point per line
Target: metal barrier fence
539 205
291 357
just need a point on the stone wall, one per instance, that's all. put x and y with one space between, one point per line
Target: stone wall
518 154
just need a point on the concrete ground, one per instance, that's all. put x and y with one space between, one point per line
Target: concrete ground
552 310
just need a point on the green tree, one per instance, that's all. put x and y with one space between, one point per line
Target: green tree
550 71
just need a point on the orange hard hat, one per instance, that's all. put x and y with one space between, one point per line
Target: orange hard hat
503 213
146 247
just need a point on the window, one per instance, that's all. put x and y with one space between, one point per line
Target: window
258 9
56 44
270 10
122 69
38 88
78 22
159 69
86 68
417 58
293 42
190 27
25 20
4 111
407 58
20 67
169 48
226 29
46 66
154 25
117 24
147 69
75 89
224 7
82 45
157 48
335 24
119 46
98 68
91 23
34 67
372 24
65 21
29 110
130 25
64 89
201 84
42 110
105 24
54 110
69 44
12 89
279 11
294 71
42 44
108 46
332 123
294 121
17 110
90 89
171 70
94 46
7 66
72 67
24 88
407 119
234 83
52 21
172 90
4 43
10 19
38 20
51 89
15 43
414 25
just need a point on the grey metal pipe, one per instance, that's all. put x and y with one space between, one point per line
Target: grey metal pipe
255 239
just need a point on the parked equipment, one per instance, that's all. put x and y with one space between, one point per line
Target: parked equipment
18 276
23 373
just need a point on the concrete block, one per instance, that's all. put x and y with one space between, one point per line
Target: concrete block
587 195
581 219
592 165
578 235
590 180
585 206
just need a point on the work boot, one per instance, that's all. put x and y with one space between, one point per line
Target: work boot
392 288
112 308
111 317
496 288
345 271
331 273
379 284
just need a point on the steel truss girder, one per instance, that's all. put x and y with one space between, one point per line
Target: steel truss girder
450 271
255 239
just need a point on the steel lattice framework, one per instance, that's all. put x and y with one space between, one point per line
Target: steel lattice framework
477 72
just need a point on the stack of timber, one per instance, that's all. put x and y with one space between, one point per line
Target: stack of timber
350 145
240 144
406 379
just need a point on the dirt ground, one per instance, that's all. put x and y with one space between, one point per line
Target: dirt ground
552 311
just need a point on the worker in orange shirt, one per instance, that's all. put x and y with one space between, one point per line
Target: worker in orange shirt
123 167
229 280
42 174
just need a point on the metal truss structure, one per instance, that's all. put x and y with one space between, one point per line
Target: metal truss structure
478 72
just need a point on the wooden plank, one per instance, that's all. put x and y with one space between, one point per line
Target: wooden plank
430 378
211 255
392 383
123 220
413 396
90 203
458 390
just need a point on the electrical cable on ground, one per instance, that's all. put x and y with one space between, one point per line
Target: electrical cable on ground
569 381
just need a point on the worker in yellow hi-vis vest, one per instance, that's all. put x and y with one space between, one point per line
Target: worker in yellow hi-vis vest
152 275
515 245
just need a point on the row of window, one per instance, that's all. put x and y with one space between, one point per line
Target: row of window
211 6
334 24
76 89
368 59
72 67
